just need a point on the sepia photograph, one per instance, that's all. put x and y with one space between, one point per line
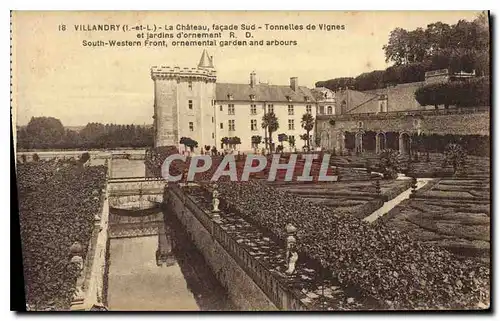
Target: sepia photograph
329 161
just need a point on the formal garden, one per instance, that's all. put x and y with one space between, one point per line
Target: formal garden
58 203
381 261
453 213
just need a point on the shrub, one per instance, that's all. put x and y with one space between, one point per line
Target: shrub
57 204
389 163
470 93
84 157
455 156
377 261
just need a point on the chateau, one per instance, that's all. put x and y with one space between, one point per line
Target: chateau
190 103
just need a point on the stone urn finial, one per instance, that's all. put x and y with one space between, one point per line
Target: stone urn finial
377 187
290 229
215 199
76 248
291 254
413 185
78 260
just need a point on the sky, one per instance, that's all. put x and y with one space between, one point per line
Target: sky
54 75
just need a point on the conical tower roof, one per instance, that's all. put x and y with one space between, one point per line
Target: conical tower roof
205 61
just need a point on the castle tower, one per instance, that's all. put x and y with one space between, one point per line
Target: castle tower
184 103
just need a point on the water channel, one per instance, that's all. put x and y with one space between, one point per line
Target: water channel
136 281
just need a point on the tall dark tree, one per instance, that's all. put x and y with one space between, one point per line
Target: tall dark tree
270 123
307 124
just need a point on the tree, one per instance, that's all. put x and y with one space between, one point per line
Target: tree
224 141
307 124
464 46
282 138
291 141
317 141
45 132
270 123
207 148
455 156
256 140
337 83
191 143
184 141
84 157
471 93
233 141
388 163
397 48
305 138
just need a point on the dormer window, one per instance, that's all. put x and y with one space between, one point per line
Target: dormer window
289 98
230 96
306 98
252 97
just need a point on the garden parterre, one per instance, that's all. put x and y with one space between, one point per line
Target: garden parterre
383 263
57 204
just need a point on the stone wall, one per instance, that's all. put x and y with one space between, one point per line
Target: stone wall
399 97
249 284
166 113
429 122
90 285
452 121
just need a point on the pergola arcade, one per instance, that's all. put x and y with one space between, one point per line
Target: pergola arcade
362 141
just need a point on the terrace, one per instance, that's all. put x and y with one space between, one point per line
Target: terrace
316 288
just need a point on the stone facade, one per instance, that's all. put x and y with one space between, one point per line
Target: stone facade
249 284
470 121
189 103
183 104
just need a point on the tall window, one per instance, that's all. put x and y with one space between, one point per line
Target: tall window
221 126
253 124
221 109
291 124
253 109
231 124
322 110
270 108
329 110
190 85
190 104
230 109
290 109
383 107
308 109
212 119
191 126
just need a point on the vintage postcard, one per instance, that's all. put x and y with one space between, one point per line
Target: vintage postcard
252 160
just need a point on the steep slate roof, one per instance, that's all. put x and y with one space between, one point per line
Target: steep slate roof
205 60
262 92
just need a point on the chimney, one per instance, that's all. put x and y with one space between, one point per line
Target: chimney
253 80
294 83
